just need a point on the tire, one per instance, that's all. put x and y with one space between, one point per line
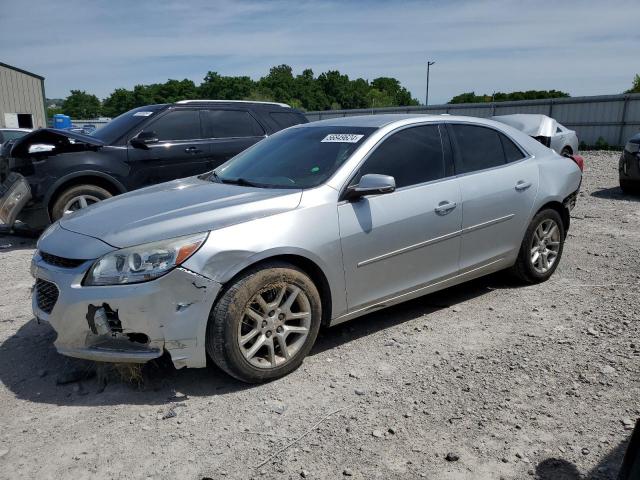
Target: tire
629 186
229 322
525 269
566 152
91 194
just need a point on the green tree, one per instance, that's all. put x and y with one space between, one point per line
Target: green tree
217 87
81 105
636 85
397 93
120 101
471 97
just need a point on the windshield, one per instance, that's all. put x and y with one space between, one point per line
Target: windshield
120 125
294 158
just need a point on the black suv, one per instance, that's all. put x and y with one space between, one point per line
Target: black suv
49 172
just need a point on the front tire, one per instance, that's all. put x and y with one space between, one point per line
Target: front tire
541 248
265 323
76 198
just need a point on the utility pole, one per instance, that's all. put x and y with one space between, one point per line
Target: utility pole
426 100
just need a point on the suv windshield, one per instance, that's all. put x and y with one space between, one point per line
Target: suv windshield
120 125
295 158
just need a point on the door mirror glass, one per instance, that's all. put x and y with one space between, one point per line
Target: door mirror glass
144 139
372 184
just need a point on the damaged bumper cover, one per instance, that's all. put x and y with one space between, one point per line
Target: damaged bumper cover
125 323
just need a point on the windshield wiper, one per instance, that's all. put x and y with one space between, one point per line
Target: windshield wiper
236 181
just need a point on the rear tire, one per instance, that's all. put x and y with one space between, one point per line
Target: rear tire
541 248
76 198
257 340
566 152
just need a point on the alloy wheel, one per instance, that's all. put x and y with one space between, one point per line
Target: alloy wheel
275 325
545 246
79 202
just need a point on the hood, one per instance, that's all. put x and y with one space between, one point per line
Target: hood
52 141
533 125
172 209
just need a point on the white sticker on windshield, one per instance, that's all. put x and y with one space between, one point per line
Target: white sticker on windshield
342 138
142 114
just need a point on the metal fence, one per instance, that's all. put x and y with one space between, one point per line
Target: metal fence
614 118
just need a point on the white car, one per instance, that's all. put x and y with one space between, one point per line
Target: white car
545 129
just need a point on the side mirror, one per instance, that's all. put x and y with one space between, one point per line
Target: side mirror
372 184
144 139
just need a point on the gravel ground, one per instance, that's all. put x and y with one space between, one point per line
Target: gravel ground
485 380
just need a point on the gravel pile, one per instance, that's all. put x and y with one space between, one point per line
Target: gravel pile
485 380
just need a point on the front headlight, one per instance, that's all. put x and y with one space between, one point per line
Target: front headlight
143 262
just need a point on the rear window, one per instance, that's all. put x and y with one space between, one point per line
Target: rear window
478 148
287 119
231 124
511 150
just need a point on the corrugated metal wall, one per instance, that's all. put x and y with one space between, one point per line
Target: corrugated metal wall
615 118
21 93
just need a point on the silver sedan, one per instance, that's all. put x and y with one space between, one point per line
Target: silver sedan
315 225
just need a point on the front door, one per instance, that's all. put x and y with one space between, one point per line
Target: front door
396 242
181 150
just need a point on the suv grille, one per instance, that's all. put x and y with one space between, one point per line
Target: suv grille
60 262
46 295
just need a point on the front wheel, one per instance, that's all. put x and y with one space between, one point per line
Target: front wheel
77 198
265 323
541 248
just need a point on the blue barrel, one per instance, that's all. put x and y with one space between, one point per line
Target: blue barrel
61 121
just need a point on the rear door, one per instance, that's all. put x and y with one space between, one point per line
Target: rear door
181 150
229 132
498 184
396 242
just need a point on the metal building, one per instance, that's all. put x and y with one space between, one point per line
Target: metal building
22 100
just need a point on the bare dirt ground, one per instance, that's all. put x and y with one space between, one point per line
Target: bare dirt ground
514 382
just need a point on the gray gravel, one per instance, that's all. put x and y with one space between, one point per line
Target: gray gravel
485 380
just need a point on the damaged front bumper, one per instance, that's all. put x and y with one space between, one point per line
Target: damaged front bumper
125 323
15 193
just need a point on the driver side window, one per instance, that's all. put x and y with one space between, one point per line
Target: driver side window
177 125
411 156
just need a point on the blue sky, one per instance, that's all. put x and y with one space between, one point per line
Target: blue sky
579 46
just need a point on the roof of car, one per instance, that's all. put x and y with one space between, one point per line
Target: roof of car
250 102
379 121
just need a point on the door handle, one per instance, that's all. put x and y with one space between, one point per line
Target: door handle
522 185
192 150
445 207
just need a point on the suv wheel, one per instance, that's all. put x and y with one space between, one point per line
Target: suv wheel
541 248
265 323
76 198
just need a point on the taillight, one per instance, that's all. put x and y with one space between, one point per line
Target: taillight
579 161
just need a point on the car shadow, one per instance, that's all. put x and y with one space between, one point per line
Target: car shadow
17 239
390 317
32 369
560 469
615 193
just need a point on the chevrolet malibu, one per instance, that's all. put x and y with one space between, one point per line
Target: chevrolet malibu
315 225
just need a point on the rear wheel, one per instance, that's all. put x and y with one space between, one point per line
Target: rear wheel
541 248
566 152
77 198
265 323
